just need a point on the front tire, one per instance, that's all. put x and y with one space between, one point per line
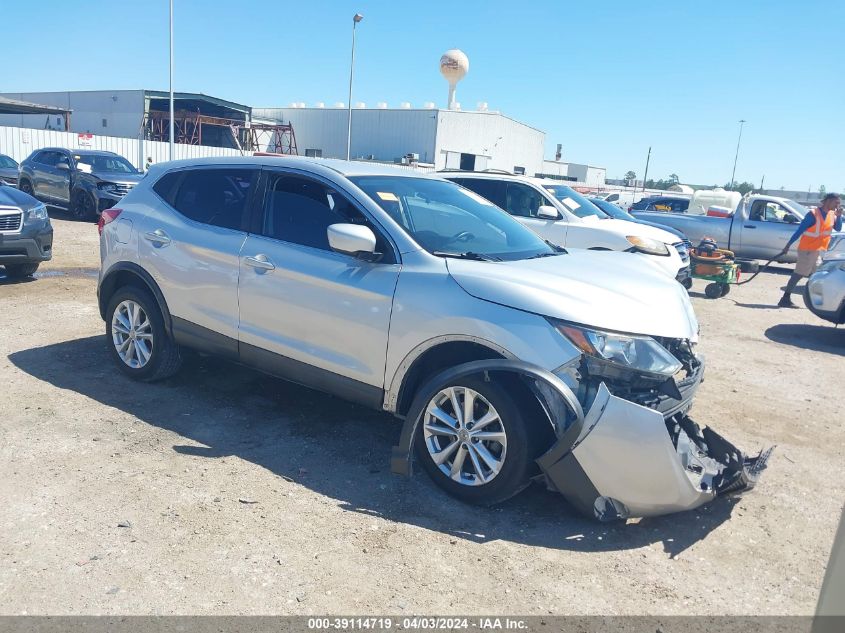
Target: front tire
474 442
82 206
18 271
26 187
137 338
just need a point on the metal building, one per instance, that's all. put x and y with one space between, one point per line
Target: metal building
144 114
447 139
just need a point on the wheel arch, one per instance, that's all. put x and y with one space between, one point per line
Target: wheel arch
430 358
131 274
550 401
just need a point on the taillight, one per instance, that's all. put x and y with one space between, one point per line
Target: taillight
107 216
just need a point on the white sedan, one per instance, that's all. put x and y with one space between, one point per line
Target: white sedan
825 291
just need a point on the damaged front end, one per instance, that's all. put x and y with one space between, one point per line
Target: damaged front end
638 453
634 453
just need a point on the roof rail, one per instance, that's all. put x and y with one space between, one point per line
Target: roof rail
476 171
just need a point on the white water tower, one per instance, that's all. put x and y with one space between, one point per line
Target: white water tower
454 64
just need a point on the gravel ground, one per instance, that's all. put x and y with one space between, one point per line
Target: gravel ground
223 491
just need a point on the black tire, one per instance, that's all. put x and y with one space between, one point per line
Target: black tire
713 291
165 358
726 288
687 283
17 271
26 187
518 464
83 206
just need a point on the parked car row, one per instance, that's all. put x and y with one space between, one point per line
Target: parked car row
508 357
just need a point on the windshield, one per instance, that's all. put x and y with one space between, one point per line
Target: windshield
612 210
7 163
447 219
800 209
114 164
574 201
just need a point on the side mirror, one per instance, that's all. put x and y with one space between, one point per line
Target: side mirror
547 212
353 239
63 166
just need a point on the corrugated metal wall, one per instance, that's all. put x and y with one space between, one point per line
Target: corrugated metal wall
386 135
21 142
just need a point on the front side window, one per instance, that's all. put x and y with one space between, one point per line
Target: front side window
48 158
448 220
764 211
300 211
215 196
523 201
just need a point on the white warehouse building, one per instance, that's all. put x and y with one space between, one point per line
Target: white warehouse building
446 139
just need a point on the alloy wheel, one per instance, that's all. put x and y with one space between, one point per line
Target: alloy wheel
465 436
132 334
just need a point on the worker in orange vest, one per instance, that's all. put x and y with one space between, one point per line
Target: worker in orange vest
814 233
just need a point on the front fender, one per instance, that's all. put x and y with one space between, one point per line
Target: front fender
561 406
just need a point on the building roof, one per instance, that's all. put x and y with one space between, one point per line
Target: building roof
197 96
15 106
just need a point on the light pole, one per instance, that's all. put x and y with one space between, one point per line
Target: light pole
170 134
355 19
738 141
645 177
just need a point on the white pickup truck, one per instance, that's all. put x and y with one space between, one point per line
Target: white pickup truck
758 228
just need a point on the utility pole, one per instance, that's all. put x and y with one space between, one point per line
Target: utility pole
170 134
647 159
355 19
762 180
738 141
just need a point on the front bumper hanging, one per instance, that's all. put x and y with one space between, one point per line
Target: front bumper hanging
618 460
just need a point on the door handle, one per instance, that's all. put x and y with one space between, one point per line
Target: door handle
750 226
157 237
259 262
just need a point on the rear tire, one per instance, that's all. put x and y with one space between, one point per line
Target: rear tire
137 338
501 450
18 271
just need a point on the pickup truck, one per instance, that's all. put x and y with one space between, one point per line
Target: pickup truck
758 228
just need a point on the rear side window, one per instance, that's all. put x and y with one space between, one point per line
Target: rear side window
218 197
165 187
493 190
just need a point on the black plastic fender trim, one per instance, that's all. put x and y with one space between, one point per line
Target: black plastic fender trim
401 456
107 282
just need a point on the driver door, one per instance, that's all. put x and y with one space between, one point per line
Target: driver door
523 202
307 313
767 230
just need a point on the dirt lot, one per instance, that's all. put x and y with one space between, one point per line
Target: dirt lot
244 495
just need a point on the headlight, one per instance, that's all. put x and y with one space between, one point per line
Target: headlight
36 213
106 186
621 351
647 245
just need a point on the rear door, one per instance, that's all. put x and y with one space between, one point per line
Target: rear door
767 229
307 313
44 174
191 242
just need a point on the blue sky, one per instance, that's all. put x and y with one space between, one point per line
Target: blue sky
605 79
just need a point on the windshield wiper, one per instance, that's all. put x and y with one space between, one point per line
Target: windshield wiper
468 255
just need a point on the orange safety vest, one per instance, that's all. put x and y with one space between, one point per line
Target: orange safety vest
817 237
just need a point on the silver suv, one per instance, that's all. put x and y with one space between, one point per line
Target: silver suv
507 358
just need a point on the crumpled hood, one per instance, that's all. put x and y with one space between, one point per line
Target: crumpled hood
635 228
110 176
607 290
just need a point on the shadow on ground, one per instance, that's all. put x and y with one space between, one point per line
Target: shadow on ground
336 449
819 338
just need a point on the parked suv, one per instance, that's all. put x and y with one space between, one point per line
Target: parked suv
82 181
506 357
560 214
669 205
26 236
